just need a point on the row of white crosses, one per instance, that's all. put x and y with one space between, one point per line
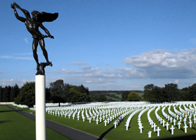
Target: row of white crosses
153 125
130 117
185 114
139 119
160 121
106 113
177 118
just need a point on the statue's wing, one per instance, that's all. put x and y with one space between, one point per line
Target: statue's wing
47 17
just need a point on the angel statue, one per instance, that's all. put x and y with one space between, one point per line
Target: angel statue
32 25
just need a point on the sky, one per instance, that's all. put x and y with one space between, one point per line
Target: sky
103 44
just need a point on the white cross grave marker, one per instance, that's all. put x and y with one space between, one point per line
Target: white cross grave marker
194 119
89 120
127 126
115 123
174 121
140 127
190 124
149 134
97 121
184 120
105 122
100 119
172 129
185 128
158 131
163 123
83 119
167 125
179 123
171 120
154 126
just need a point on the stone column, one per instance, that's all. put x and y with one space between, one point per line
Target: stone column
40 83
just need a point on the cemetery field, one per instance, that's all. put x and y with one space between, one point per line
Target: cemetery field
129 120
84 117
14 126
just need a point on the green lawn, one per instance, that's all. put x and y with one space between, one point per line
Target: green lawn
14 126
111 133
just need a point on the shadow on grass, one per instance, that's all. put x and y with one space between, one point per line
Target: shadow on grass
3 111
189 137
107 131
4 122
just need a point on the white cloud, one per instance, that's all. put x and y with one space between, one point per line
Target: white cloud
164 64
26 40
15 57
77 63
12 82
176 81
96 78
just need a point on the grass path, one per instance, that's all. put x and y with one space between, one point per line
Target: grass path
14 126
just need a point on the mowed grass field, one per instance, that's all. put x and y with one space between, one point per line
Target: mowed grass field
110 133
26 127
14 126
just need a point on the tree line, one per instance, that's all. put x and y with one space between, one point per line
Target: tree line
169 93
130 96
59 91
8 93
56 93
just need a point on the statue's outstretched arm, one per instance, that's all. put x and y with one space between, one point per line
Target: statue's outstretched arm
46 30
26 13
16 14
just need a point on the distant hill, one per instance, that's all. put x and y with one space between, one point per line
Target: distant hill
114 95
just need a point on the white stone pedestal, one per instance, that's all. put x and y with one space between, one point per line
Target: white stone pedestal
40 107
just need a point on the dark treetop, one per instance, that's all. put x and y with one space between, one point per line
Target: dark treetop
32 24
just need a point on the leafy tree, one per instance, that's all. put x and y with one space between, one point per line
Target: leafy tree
124 95
27 95
158 94
57 91
61 92
192 94
6 93
12 94
78 94
172 91
48 95
154 94
102 98
184 95
94 97
16 90
1 94
133 96
148 93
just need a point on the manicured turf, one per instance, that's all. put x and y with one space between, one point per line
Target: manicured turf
111 133
14 126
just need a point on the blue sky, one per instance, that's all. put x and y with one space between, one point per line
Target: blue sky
104 44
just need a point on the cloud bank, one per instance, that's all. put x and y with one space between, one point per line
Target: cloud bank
158 66
164 64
